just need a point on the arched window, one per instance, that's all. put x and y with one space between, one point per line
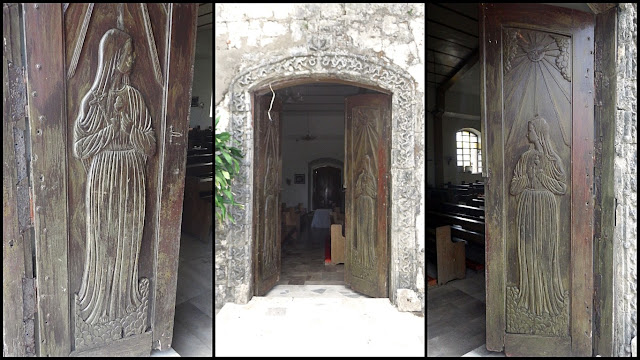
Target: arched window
468 150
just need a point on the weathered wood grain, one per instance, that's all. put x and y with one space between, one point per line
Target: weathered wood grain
368 119
133 346
604 207
177 96
505 208
45 88
13 257
266 194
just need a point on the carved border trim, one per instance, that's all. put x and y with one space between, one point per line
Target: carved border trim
80 41
355 68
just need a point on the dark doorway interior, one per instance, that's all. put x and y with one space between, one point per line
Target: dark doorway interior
326 188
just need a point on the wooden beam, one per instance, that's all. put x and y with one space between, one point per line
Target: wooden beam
604 202
468 64
598 8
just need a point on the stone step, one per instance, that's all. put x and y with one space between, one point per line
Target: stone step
326 326
314 291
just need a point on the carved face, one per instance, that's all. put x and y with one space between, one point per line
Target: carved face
127 59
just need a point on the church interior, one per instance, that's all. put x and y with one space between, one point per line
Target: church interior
455 188
312 192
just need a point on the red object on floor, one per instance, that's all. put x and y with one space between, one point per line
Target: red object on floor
431 281
327 250
474 265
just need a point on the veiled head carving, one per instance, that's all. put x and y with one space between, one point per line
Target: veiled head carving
539 132
115 51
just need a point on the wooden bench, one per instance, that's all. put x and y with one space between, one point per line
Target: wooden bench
450 254
464 221
290 224
338 242
199 169
472 211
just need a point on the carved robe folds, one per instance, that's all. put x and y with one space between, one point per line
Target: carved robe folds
113 137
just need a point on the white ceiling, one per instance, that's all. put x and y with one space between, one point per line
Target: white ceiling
316 109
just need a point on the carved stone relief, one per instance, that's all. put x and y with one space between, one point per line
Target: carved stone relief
539 304
113 137
356 68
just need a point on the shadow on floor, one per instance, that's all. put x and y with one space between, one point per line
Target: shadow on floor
193 327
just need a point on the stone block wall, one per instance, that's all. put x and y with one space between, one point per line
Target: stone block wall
381 45
626 186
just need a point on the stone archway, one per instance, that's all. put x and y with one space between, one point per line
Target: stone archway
406 158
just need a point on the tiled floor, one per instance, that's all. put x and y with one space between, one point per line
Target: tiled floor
193 328
303 261
456 317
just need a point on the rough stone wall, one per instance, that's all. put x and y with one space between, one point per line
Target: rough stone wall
376 44
625 188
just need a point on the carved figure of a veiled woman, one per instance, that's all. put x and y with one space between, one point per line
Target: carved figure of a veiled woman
113 137
365 195
539 176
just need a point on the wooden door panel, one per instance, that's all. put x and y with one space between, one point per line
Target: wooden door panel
266 192
538 67
367 119
121 103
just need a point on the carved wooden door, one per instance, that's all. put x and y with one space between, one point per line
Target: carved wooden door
538 122
368 121
108 89
267 178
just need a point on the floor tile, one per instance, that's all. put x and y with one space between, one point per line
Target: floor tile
204 302
187 344
196 321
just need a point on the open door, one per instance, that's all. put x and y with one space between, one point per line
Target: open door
108 89
538 86
267 178
368 121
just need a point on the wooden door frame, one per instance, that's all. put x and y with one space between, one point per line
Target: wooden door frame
605 40
45 74
306 80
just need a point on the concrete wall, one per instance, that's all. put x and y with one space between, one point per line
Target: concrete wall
625 243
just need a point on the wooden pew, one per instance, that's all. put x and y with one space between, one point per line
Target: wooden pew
337 244
290 224
465 222
450 254
473 211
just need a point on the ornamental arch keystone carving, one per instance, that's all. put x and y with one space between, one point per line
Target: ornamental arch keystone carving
357 70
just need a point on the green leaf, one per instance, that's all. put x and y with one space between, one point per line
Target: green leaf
226 174
223 137
226 156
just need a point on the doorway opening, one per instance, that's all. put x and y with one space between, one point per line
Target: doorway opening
313 190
